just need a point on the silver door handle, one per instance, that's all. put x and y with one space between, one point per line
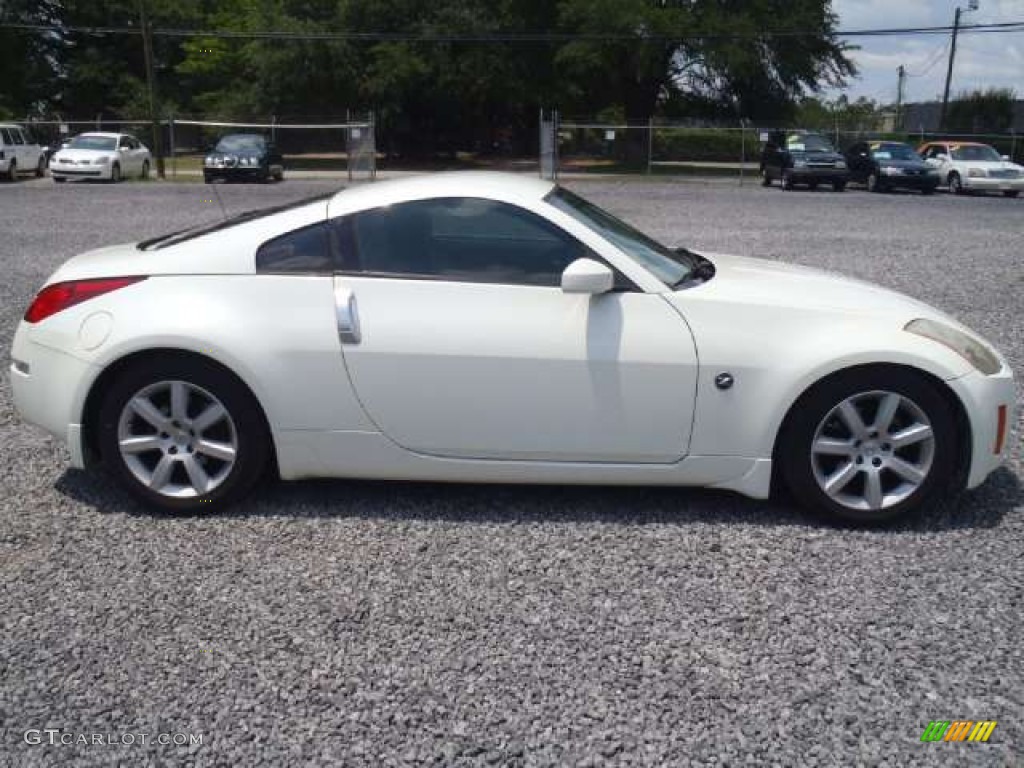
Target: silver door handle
347 314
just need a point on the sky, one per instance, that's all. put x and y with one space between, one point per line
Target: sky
983 60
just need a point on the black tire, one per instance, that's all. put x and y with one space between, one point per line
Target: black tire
787 181
1011 192
810 411
41 167
838 186
766 178
207 178
956 186
279 175
12 171
59 179
115 173
874 183
145 170
253 439
928 191
812 185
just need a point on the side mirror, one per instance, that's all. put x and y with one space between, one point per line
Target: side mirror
1005 157
587 276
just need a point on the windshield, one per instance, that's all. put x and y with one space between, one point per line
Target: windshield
93 142
893 152
240 143
977 152
671 267
807 142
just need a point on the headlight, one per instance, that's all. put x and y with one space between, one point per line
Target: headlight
208 160
891 170
101 160
977 172
840 163
968 347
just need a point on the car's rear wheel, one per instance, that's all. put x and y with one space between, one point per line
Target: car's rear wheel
838 185
787 180
1011 193
145 170
41 167
869 445
182 434
874 183
812 185
956 185
12 171
766 178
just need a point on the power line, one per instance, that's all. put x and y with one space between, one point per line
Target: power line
524 37
931 62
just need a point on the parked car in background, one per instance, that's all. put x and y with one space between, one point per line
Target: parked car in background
969 167
800 157
108 156
243 157
885 165
19 153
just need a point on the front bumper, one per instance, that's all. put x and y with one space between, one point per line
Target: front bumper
982 397
49 388
80 171
237 172
818 174
987 184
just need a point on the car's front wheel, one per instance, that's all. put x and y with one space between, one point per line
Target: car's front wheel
12 171
869 445
145 170
874 183
115 173
956 185
1011 192
182 434
41 167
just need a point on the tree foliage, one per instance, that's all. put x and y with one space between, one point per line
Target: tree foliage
637 58
988 111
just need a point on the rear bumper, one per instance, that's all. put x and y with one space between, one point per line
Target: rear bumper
48 389
982 397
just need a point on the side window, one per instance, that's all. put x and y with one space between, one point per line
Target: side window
5 138
124 143
301 251
463 239
16 136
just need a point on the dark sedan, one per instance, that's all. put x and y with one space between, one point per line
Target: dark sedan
243 157
885 165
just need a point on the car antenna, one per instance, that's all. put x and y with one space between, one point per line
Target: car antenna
216 193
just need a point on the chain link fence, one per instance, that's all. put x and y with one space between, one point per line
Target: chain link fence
346 149
729 151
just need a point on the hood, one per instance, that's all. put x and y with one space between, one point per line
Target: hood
84 154
771 283
990 165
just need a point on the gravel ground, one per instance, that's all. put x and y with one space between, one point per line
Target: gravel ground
346 623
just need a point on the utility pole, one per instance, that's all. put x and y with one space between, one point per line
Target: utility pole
901 76
972 5
154 117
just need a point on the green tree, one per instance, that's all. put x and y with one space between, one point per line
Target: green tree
988 111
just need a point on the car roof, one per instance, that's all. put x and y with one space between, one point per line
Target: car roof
486 184
104 134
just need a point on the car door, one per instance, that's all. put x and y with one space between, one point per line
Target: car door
459 341
21 150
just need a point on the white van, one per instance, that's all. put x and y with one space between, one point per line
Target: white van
19 153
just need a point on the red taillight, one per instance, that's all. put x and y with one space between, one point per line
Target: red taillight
59 296
1000 430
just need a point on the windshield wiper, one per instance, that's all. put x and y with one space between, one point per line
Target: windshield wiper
702 271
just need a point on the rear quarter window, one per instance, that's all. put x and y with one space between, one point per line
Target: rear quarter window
304 251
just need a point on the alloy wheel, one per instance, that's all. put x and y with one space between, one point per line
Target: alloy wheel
873 450
177 439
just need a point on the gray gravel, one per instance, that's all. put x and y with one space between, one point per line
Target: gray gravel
331 623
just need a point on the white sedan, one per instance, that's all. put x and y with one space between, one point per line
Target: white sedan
108 156
492 328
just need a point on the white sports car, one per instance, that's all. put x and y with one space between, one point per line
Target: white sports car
493 328
108 156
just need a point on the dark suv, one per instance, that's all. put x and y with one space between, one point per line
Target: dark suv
800 157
